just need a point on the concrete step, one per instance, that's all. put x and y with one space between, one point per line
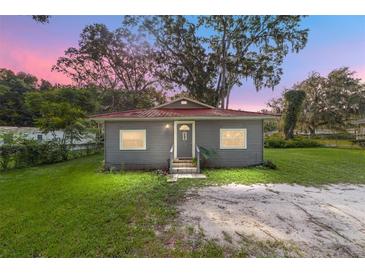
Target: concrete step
182 161
183 165
183 170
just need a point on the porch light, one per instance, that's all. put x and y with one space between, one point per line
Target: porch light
184 127
167 126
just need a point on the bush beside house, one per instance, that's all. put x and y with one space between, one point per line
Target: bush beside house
276 141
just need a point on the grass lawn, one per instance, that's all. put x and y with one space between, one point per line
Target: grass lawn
72 210
310 166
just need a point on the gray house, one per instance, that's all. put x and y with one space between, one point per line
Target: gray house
173 135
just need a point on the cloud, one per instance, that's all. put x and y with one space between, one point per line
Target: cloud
18 57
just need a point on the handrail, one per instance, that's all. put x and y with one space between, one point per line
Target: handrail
197 156
171 158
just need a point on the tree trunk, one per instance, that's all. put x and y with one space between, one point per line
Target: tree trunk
224 64
227 99
312 131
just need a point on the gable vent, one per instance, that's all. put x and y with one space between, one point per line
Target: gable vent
184 102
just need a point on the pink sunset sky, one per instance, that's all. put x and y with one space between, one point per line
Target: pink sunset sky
334 41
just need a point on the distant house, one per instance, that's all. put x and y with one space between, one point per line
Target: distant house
176 134
33 133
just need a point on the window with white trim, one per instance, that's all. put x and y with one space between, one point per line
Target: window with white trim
132 139
233 138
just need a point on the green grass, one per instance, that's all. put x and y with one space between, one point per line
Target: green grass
72 210
310 166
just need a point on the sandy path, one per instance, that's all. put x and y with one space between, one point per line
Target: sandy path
322 222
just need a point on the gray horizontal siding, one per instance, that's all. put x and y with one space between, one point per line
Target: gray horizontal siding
159 140
208 136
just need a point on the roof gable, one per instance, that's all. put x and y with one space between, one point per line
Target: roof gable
184 103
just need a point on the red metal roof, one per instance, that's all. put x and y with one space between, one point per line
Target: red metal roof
176 112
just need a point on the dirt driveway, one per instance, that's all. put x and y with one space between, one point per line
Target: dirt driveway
321 222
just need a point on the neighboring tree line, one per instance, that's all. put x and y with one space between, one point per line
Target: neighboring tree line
329 102
25 101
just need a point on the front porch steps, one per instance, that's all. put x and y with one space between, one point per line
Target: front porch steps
184 166
184 170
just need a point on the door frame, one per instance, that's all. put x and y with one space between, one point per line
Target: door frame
176 123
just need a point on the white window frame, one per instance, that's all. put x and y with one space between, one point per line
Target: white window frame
244 130
130 130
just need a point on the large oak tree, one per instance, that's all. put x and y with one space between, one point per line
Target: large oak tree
331 101
208 55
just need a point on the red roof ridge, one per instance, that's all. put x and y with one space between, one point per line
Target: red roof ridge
118 112
247 111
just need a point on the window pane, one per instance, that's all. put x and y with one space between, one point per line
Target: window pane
133 139
233 138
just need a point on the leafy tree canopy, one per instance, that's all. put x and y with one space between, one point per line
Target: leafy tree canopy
209 55
62 109
117 62
12 89
333 100
43 19
330 102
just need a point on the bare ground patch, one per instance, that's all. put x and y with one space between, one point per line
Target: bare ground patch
312 222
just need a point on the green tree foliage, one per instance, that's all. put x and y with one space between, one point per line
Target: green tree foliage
270 125
120 100
331 101
293 105
43 19
12 89
62 109
118 63
45 85
185 62
251 47
236 48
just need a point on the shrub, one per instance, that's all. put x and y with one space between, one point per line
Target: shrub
25 153
7 153
206 154
101 167
269 164
160 172
336 136
297 142
361 143
275 142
